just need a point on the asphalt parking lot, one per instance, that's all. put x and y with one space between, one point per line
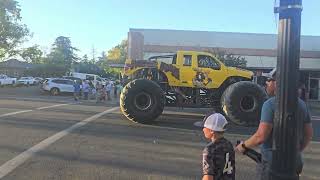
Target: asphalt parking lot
49 137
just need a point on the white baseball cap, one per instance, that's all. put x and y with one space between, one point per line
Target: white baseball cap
216 122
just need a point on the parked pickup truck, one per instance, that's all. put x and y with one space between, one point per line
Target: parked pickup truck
5 80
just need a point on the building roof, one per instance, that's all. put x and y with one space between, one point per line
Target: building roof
220 39
14 63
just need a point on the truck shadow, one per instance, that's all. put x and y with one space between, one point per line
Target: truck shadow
187 121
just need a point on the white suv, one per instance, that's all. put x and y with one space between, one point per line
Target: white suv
57 85
27 81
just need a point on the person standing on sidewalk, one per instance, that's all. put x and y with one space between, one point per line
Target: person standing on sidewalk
115 89
98 92
108 90
302 91
76 92
85 89
119 87
92 90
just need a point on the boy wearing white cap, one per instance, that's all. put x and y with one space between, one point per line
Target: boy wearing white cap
218 156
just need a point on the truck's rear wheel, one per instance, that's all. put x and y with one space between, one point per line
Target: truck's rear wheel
142 101
242 101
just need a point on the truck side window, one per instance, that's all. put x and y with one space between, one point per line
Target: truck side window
174 60
187 60
207 62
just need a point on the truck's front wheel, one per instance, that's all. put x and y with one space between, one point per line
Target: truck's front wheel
242 103
142 101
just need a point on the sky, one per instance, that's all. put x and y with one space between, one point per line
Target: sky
102 24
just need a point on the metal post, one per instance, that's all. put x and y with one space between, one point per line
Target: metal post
285 124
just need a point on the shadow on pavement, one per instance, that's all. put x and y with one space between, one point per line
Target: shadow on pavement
182 121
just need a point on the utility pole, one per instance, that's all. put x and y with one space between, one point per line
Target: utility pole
286 123
93 54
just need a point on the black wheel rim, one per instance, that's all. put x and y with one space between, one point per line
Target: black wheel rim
247 103
143 101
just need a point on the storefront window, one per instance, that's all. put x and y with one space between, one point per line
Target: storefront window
314 89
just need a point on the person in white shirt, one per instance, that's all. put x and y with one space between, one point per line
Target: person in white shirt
85 89
108 90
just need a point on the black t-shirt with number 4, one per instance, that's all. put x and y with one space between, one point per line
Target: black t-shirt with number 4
219 160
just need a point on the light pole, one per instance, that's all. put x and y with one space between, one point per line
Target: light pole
286 122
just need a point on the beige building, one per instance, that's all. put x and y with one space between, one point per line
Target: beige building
258 49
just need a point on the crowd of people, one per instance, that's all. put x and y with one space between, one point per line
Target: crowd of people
96 91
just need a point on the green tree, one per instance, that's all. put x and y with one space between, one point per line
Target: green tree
63 52
119 52
32 54
103 56
12 31
85 59
103 64
88 66
112 72
227 58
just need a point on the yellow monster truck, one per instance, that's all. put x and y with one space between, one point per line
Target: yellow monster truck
189 79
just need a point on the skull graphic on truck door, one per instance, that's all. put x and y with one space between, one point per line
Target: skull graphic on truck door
206 71
201 79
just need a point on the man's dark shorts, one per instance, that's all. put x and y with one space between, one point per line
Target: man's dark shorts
263 168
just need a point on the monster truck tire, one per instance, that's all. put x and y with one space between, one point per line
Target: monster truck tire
241 102
142 101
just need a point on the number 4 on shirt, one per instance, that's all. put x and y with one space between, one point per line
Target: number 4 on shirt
227 166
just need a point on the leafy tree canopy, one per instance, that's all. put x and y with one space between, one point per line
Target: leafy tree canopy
12 31
32 55
227 58
63 52
119 52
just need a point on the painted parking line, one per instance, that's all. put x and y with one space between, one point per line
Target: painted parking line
14 113
30 110
36 99
12 164
47 107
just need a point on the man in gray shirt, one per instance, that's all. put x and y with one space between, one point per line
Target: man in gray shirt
263 135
